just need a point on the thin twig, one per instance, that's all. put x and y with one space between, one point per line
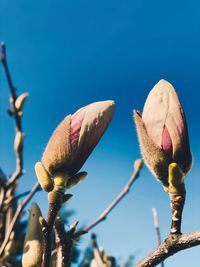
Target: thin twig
3 181
13 96
157 229
170 247
16 216
124 192
26 193
2 196
70 242
17 118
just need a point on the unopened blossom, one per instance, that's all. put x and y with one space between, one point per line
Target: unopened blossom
162 131
33 243
75 137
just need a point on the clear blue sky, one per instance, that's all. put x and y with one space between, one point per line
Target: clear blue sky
67 54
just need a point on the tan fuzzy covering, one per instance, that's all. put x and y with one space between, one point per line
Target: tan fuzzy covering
57 152
156 160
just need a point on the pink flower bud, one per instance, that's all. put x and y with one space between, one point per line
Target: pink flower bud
75 138
162 131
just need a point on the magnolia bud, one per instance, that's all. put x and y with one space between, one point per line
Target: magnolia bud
162 132
33 244
19 103
75 138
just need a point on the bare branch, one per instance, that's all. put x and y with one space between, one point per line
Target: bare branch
16 216
157 229
70 242
171 246
26 193
17 118
64 243
2 196
53 209
124 192
60 234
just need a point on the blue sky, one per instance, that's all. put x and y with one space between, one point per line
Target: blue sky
67 54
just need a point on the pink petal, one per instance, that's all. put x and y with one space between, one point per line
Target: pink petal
97 117
167 142
75 127
155 112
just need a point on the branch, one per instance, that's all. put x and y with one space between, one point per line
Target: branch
157 229
55 201
170 247
13 95
70 242
16 113
2 196
16 216
64 243
53 209
124 192
60 234
26 193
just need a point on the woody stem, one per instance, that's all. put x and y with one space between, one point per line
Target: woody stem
51 216
177 201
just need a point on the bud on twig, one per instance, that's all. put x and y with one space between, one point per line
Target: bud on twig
33 244
163 137
75 138
20 101
162 132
